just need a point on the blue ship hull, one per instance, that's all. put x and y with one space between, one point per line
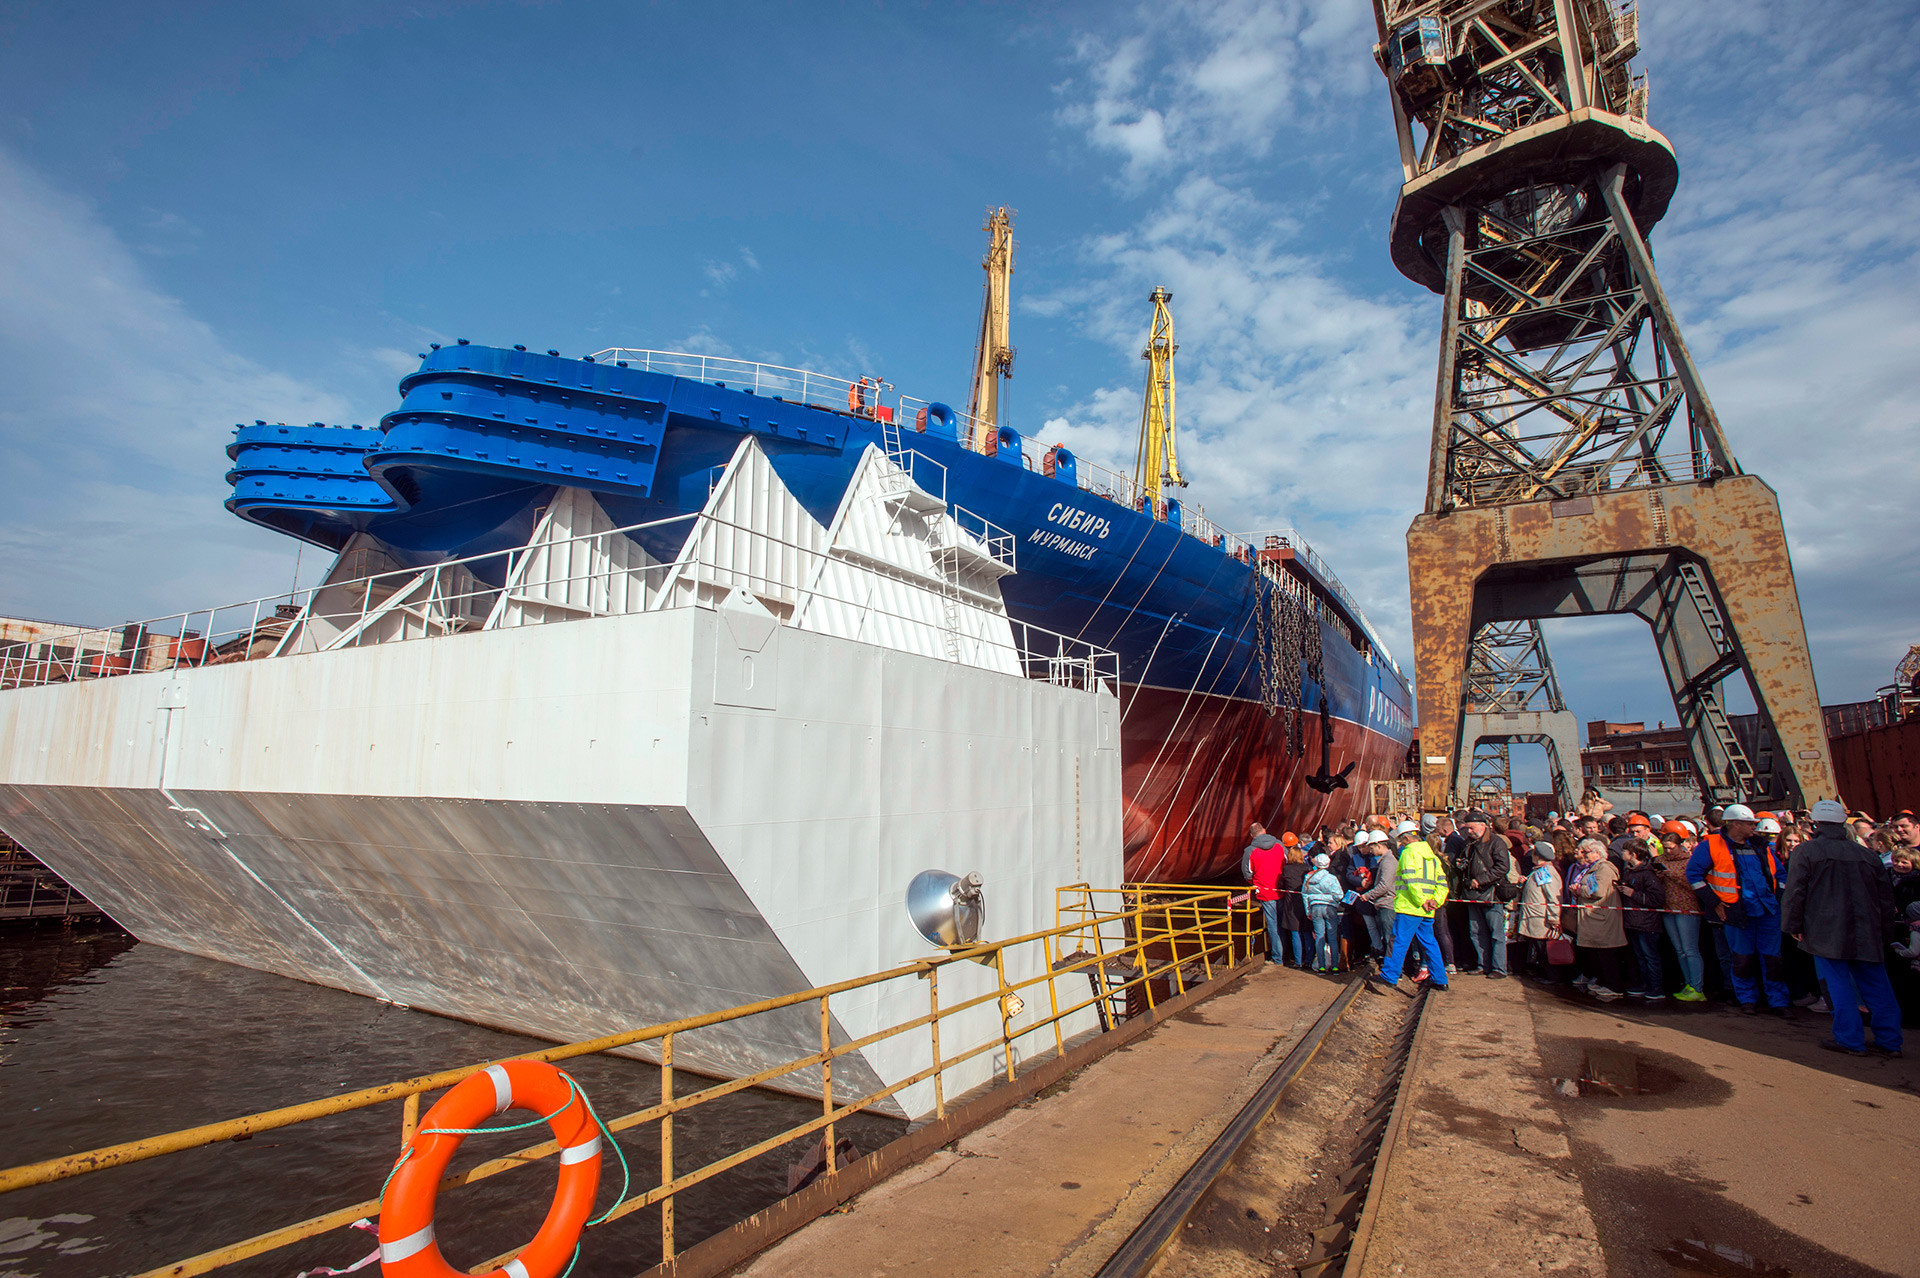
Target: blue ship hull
483 436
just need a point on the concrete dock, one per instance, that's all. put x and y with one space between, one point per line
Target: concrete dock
1054 1186
1711 1143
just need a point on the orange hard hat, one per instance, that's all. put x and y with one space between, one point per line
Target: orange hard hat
1290 838
1676 829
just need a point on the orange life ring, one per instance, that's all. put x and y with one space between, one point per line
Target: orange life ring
407 1245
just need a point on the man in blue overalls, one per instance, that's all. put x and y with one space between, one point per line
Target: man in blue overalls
1734 874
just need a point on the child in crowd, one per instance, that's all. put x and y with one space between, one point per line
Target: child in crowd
1645 892
1323 896
1906 878
1906 899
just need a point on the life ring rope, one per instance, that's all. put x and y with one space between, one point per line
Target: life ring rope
568 1155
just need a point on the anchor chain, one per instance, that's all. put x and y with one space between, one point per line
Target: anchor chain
1288 646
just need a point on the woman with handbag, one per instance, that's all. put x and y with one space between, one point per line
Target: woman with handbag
1539 922
1600 931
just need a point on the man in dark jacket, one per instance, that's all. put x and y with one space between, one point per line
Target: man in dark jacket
1839 906
1619 830
1483 873
1361 873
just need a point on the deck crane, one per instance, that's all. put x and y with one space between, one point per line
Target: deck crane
1157 466
993 355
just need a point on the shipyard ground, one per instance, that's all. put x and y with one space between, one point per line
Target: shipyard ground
1725 1145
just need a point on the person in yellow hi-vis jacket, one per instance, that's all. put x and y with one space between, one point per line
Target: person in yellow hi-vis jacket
1418 888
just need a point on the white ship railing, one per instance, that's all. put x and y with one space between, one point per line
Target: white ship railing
457 596
916 469
877 400
795 385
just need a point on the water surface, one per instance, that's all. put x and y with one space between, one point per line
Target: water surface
103 1040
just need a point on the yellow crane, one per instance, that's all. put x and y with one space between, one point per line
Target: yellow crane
993 356
1157 467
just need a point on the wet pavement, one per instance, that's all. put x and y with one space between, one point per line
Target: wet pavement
1746 1149
1557 1134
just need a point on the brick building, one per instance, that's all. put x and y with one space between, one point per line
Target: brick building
1635 766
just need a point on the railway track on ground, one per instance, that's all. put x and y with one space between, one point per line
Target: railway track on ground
1340 1221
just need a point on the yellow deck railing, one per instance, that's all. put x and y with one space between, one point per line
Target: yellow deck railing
1135 946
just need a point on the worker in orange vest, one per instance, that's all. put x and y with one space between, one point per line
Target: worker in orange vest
1738 881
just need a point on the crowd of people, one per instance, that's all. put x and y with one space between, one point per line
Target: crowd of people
1769 911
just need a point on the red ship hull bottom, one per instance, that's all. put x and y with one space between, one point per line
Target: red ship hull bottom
1197 771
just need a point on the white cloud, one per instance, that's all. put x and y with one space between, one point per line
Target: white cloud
1793 257
721 274
1198 81
118 407
1297 389
165 234
1791 253
388 359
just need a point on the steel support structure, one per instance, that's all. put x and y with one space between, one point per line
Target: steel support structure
1577 465
1513 698
1490 768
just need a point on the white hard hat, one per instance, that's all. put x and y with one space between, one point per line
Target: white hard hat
1827 811
1405 827
1736 812
1768 825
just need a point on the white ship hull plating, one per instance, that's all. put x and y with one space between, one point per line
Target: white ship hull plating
573 829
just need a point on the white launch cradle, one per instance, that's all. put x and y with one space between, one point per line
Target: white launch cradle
573 788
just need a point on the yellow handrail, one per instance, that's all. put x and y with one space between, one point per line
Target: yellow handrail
1155 932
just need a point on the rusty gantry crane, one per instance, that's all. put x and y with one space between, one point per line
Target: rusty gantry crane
1578 467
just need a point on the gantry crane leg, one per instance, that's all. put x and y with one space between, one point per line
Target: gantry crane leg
1611 556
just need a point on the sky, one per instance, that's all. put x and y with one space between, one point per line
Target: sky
213 213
